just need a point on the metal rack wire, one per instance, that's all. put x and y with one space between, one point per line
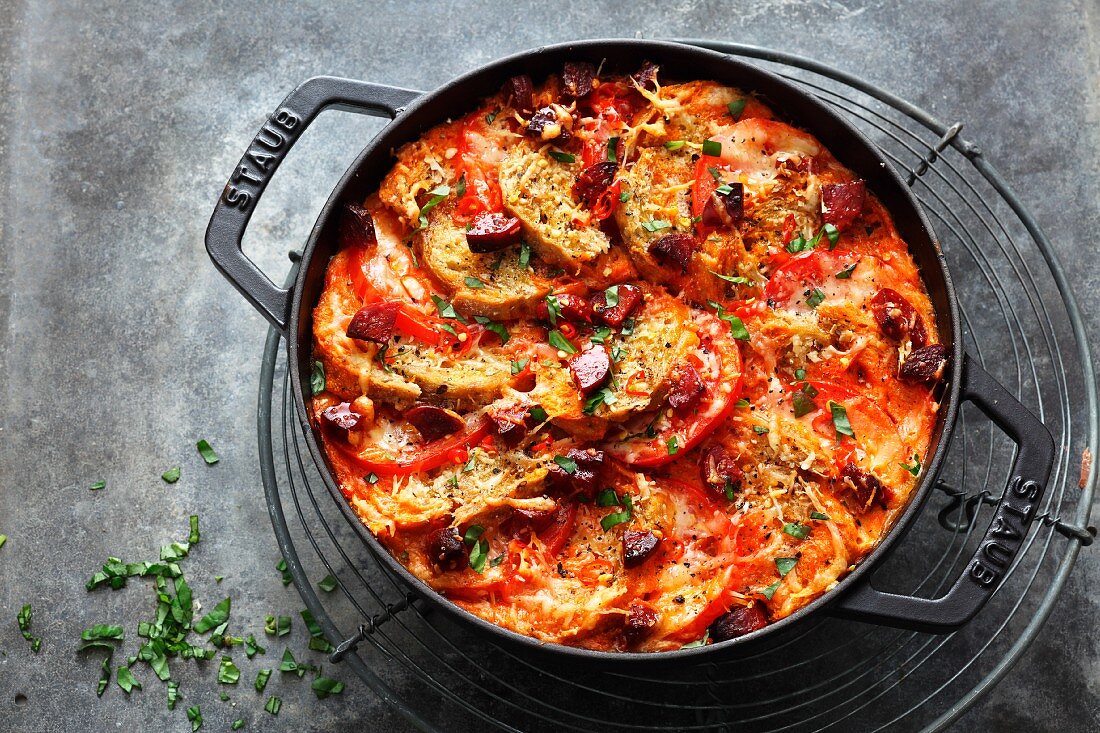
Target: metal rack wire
1020 321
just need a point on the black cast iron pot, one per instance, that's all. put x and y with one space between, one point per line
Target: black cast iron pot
290 310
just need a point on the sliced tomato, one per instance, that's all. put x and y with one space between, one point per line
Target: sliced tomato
705 183
555 536
450 450
719 364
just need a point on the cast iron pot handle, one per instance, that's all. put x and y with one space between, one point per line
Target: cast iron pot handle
268 148
1003 539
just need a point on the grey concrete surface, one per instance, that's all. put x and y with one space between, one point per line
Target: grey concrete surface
120 345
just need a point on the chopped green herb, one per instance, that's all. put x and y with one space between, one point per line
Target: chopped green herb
273 705
562 157
627 328
736 279
611 296
323 687
219 615
567 464
472 534
372 478
288 662
559 342
819 516
195 716
785 564
98 485
100 632
617 518
172 475
207 452
460 189
656 225
282 568
607 497
519 366
715 173
174 551
317 378
915 468
840 420
846 273
479 553
252 647
553 309
524 255
24 620
489 120
496 561
126 680
320 644
675 144
438 194
228 674
497 328
712 147
538 414
3 539
796 530
237 724
799 374
616 353
673 445
624 197
736 107
600 335
173 693
728 488
612 148
473 282
802 403
737 326
798 244
815 298
602 396
741 403
261 679
832 233
759 429
770 590
446 310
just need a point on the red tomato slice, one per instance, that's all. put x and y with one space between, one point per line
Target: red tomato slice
705 183
719 358
449 450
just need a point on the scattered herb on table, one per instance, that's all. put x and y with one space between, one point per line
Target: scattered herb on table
24 620
172 475
207 452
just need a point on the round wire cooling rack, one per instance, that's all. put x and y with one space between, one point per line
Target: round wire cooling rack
1019 320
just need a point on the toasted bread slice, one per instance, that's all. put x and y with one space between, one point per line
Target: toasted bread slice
538 190
506 290
421 166
556 393
660 186
464 382
660 340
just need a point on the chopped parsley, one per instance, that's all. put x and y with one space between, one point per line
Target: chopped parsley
317 378
252 647
567 464
24 620
840 420
602 396
207 452
228 673
785 564
438 194
524 255
675 144
832 233
273 705
616 518
281 567
497 328
97 486
819 516
712 148
611 296
479 548
607 497
737 326
473 282
3 539
796 530
562 157
172 475
627 328
915 468
656 225
460 189
673 445
846 273
195 716
815 298
559 342
612 148
736 279
323 687
736 107
798 244
519 366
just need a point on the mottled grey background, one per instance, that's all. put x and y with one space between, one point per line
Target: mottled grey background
120 345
